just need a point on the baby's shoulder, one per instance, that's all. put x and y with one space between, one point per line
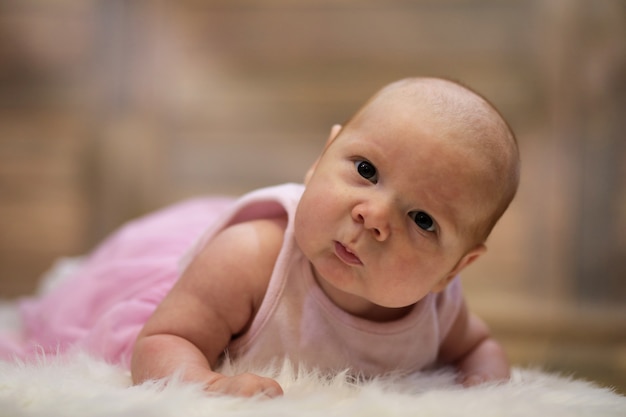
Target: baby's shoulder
258 236
244 254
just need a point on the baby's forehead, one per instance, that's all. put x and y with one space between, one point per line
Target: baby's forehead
463 119
451 111
461 115
447 101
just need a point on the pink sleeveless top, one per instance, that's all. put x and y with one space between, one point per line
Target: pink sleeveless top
297 321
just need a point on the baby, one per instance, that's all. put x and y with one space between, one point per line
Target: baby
357 269
361 273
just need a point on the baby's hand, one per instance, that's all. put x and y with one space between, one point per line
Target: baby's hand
244 385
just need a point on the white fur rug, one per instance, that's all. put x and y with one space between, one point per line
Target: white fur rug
77 385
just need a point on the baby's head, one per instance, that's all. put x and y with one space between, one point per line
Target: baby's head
465 122
404 195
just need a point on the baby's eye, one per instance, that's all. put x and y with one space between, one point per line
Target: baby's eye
423 221
367 171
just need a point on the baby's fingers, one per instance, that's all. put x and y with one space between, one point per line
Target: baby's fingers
246 385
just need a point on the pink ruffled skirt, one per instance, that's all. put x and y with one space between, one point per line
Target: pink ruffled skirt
104 304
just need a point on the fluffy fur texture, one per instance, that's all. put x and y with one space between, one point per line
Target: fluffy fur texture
78 385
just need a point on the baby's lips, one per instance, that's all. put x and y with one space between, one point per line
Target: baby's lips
346 255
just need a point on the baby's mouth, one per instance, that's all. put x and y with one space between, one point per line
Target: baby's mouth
346 255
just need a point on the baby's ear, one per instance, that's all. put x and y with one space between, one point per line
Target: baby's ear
465 261
334 132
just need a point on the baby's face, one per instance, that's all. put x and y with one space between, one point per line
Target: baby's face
385 213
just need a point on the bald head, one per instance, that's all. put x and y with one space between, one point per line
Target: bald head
468 122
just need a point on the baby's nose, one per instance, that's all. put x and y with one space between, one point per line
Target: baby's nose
374 217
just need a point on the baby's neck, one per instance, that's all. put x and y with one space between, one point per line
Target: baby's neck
360 307
383 314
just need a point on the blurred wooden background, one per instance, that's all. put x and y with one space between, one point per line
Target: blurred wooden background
112 108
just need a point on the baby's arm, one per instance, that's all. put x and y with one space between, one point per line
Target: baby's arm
470 347
216 298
